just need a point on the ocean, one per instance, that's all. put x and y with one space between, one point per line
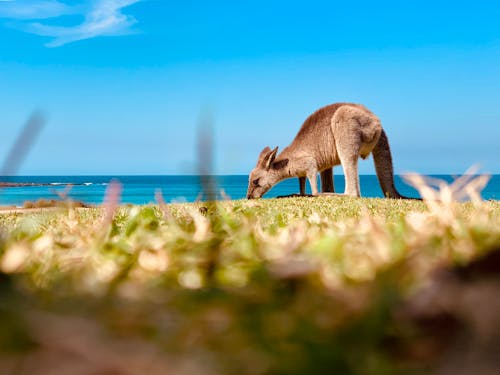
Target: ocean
141 189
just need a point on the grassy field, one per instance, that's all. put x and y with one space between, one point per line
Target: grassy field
281 286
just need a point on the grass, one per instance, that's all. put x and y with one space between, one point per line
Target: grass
295 285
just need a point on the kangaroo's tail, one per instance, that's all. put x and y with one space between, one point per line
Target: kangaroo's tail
383 165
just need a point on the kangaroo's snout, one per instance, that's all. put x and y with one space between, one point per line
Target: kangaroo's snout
253 196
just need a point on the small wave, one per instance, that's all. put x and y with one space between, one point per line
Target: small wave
87 183
58 183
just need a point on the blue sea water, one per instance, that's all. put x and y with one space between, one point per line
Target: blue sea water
141 189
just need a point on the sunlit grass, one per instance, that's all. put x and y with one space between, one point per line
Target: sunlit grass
276 285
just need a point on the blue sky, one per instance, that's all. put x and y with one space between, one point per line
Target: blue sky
124 82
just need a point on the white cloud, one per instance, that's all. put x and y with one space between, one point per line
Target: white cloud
28 9
100 17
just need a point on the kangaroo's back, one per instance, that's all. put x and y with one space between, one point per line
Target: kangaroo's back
318 122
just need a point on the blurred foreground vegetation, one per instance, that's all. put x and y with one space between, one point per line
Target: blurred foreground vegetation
280 286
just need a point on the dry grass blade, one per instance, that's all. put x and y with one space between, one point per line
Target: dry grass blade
23 144
163 205
64 194
205 156
20 148
464 188
111 201
208 184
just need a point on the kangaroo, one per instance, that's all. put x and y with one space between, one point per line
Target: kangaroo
336 134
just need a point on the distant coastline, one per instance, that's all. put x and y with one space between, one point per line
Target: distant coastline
24 184
21 184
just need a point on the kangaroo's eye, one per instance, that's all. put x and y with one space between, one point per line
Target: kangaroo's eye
255 182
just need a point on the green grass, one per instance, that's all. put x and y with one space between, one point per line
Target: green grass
295 285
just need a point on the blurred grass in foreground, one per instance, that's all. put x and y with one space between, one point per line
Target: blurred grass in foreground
299 285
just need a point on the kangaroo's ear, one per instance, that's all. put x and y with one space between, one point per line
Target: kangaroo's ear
280 164
270 158
263 155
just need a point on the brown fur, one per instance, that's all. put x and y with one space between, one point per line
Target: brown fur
336 134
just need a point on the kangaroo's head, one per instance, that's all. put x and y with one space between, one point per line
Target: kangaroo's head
266 173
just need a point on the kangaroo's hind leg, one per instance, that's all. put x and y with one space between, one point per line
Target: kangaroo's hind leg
348 143
349 161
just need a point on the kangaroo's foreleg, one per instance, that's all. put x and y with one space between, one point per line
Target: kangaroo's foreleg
312 177
327 185
302 185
